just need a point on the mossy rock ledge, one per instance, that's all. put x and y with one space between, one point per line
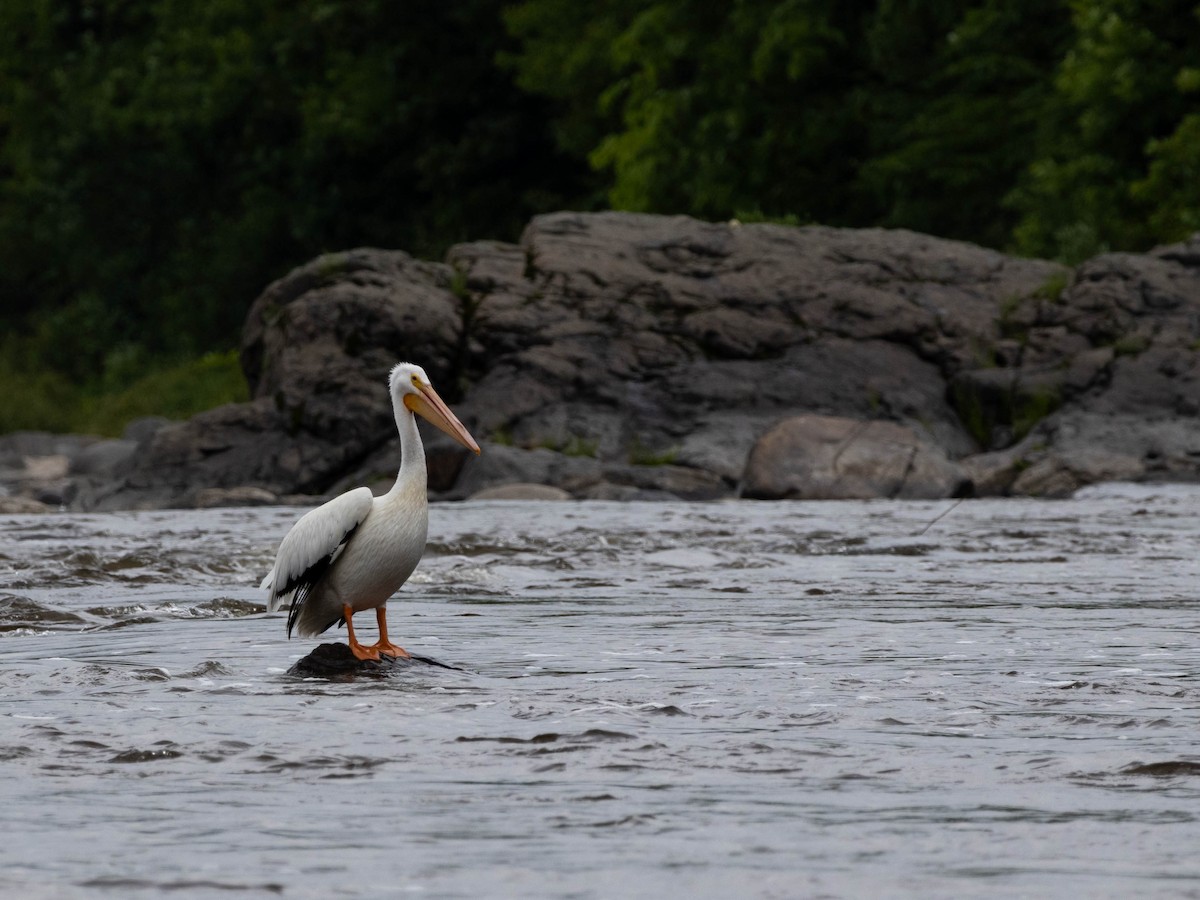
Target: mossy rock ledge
625 356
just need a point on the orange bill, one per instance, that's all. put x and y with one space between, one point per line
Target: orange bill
429 406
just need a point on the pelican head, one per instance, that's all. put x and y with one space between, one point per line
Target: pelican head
411 388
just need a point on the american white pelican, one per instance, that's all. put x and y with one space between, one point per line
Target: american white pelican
355 551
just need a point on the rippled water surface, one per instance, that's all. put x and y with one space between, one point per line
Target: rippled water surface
707 700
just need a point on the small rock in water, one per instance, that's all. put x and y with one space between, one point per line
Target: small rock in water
334 660
520 490
22 505
243 495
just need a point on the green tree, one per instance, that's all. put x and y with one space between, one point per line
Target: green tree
1171 188
1119 126
893 112
161 161
962 94
705 108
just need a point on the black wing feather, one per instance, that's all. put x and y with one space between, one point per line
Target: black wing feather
304 583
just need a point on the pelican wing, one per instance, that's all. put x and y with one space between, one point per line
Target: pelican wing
311 547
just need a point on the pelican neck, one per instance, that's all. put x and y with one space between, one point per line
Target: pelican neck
412 451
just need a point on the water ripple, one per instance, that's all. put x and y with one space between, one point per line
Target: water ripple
684 699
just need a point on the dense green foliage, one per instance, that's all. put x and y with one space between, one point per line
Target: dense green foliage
161 161
1050 128
45 399
1118 165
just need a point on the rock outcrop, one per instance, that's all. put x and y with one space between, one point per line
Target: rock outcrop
831 458
625 356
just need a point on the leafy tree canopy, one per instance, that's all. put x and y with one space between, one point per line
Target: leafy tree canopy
161 161
1118 166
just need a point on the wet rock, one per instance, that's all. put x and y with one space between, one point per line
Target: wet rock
1076 448
499 464
720 443
317 348
521 491
670 481
335 661
606 490
244 495
47 468
1097 446
36 465
993 474
104 459
12 506
602 341
1060 475
18 446
141 430
826 457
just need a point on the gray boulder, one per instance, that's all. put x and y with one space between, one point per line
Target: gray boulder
246 495
521 491
631 356
626 330
829 457
36 466
317 348
19 506
103 459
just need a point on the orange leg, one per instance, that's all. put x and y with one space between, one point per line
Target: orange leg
359 651
384 645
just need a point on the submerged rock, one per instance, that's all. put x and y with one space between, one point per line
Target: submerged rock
334 660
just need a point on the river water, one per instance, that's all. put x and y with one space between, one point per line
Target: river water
649 700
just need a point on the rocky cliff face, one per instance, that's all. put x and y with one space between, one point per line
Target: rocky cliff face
616 355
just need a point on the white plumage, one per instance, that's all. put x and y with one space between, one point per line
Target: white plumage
321 532
352 553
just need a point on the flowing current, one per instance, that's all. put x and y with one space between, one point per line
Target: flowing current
647 700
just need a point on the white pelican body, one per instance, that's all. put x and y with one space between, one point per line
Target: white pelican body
352 553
